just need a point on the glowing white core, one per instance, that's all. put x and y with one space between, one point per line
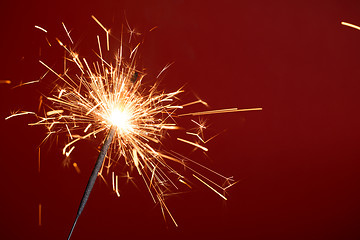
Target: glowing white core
120 119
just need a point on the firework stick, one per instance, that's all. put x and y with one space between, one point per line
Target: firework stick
94 175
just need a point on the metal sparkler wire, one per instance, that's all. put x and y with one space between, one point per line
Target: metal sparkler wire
93 176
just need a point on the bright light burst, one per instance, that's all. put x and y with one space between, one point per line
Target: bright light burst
94 97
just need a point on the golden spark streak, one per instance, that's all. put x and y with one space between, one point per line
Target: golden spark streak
182 181
60 43
51 70
231 184
40 28
92 109
67 32
162 203
5 82
39 215
350 25
117 187
53 112
196 163
69 152
40 103
197 135
102 177
152 176
39 160
153 29
200 126
134 50
136 160
98 22
47 40
81 137
169 157
87 128
26 83
106 30
19 114
192 143
113 181
169 127
228 110
164 69
195 102
77 169
61 93
212 137
67 128
210 187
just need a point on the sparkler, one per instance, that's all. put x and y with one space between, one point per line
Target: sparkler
104 97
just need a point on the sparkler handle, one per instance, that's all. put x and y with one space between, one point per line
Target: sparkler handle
96 169
94 175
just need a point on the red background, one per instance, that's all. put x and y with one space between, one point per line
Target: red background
297 160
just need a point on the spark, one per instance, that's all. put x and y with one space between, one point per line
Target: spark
113 181
71 137
106 30
192 143
206 184
5 82
40 102
117 186
152 29
47 40
19 114
51 70
195 102
228 110
163 206
208 140
197 135
69 152
26 83
182 181
87 128
164 69
40 208
132 31
40 28
67 32
39 160
350 25
53 112
77 169
230 184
